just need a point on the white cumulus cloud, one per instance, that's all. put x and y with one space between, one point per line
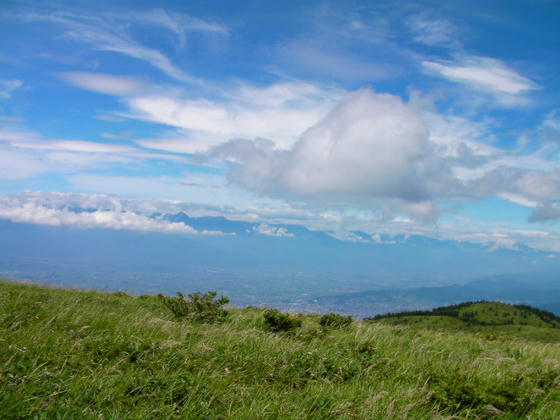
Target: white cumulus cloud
367 146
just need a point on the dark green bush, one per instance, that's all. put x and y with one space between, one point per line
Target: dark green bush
335 320
197 306
277 321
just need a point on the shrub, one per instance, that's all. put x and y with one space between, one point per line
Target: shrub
335 320
197 306
277 321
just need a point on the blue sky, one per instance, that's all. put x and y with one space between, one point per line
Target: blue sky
385 117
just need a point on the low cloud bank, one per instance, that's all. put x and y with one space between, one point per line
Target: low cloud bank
19 210
133 213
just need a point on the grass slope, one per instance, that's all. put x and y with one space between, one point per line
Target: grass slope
490 318
85 354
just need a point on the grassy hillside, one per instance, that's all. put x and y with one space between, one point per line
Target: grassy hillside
490 318
70 354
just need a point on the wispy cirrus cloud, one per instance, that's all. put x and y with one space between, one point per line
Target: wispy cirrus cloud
318 59
344 46
8 86
184 145
518 199
118 152
76 146
25 154
103 83
486 75
280 111
179 23
111 32
194 187
429 29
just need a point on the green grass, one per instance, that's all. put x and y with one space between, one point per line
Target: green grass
497 313
84 354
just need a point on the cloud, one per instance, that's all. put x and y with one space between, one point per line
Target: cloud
179 23
11 119
518 199
532 185
20 162
102 83
539 185
112 136
374 151
8 86
545 212
259 212
119 212
504 243
284 140
265 229
200 188
320 60
110 118
549 130
24 154
20 211
280 112
432 31
14 164
552 121
76 146
529 188
26 140
355 237
487 75
179 145
426 210
110 32
367 146
346 43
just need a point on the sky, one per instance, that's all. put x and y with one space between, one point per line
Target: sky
391 118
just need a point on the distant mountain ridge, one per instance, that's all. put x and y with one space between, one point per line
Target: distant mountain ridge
281 265
222 224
